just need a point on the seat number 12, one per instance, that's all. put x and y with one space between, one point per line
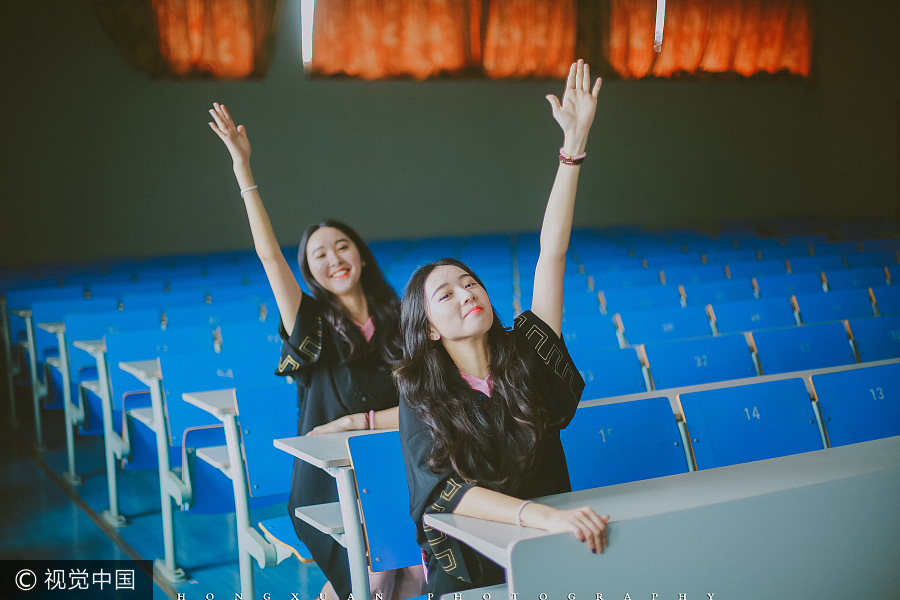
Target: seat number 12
755 413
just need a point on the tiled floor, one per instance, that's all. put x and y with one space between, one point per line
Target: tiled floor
45 518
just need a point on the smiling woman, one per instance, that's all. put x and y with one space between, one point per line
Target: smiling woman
340 344
482 407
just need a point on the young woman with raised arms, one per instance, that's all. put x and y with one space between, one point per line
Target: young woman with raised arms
340 344
482 406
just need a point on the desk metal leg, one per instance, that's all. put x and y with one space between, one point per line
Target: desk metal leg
113 445
74 414
241 507
168 566
38 388
7 355
353 535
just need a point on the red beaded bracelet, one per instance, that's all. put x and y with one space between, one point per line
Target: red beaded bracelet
571 160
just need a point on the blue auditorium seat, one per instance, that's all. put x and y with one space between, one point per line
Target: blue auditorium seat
785 286
859 405
877 338
727 257
626 441
163 300
641 327
214 314
756 268
835 306
727 290
836 248
817 264
803 347
887 298
625 279
589 331
648 296
872 259
865 277
377 462
750 422
704 360
694 274
609 372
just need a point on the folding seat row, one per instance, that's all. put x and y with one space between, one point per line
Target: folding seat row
617 441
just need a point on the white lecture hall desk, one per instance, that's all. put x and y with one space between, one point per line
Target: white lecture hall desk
823 524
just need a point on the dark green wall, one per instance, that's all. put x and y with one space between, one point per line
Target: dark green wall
99 161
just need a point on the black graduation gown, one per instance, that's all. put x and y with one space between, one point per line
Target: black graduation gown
453 566
327 389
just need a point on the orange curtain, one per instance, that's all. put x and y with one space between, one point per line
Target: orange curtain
376 39
225 39
711 36
530 38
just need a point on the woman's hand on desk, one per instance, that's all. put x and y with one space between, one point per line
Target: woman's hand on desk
345 423
587 525
234 137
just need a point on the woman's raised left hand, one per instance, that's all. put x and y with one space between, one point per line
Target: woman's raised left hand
576 112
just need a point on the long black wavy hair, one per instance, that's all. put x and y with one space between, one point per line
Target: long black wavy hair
382 301
493 446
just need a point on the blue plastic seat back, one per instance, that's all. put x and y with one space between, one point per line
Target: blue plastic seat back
589 331
856 278
245 335
93 326
163 300
23 298
121 288
732 255
836 248
888 299
235 293
656 325
384 500
817 264
622 442
213 314
694 274
726 290
57 310
578 302
751 315
872 259
131 346
859 405
877 338
706 360
625 279
645 297
750 422
267 413
206 371
610 372
785 286
756 268
806 347
835 306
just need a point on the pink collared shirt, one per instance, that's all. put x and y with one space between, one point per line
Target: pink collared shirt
368 330
485 386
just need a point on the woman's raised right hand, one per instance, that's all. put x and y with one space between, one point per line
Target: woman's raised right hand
235 137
